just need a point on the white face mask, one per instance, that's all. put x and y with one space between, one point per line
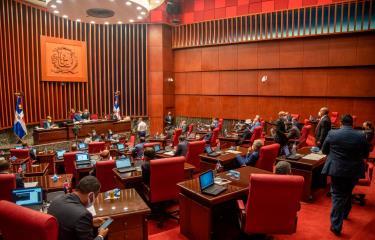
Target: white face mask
89 201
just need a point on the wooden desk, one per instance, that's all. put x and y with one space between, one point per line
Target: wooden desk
129 213
48 184
100 126
50 135
200 214
47 157
17 163
229 141
227 160
36 170
162 141
309 170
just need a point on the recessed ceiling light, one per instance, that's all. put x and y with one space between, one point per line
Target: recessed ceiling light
65 16
53 6
56 12
106 23
92 22
139 8
131 20
157 1
139 17
143 13
78 20
128 3
119 22
58 1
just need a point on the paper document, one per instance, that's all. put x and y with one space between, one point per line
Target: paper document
314 156
233 151
170 153
30 184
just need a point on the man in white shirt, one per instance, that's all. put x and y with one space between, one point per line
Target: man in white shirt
141 128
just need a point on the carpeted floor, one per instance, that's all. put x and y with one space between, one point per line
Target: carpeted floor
313 222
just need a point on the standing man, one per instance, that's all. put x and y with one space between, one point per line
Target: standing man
168 121
141 128
323 127
346 150
280 136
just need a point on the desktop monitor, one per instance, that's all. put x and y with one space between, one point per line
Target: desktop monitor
123 163
206 179
82 157
60 153
157 148
28 196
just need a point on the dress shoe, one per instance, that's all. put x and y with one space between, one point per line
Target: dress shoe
336 232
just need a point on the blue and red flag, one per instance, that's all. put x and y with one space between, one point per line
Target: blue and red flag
19 127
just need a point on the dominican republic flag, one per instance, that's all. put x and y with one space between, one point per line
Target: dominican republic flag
116 106
19 127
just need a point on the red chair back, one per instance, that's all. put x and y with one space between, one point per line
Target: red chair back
192 156
20 153
267 157
354 120
304 135
96 147
164 176
273 203
105 174
94 116
131 141
35 225
151 144
215 135
69 160
176 135
334 117
295 116
191 128
257 134
50 159
7 183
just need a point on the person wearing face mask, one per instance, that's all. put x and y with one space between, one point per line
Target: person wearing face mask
323 126
70 210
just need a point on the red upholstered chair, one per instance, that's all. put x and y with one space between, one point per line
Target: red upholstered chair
257 134
7 183
334 118
354 120
215 135
20 153
69 160
131 141
105 174
272 204
176 135
18 223
190 129
363 186
302 141
267 157
96 147
194 149
151 144
295 116
94 116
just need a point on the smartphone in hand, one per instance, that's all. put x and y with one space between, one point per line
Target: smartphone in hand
106 223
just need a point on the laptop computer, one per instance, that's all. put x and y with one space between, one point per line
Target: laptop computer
123 165
60 154
19 147
158 149
83 160
120 147
207 185
210 152
82 146
28 197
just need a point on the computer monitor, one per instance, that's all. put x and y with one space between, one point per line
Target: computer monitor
208 149
82 157
82 146
123 163
28 196
60 153
157 148
19 147
206 179
120 146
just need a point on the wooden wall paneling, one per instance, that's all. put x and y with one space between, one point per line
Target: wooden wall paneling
291 53
269 107
247 82
210 83
229 107
315 52
272 86
311 106
228 57
228 83
269 55
364 110
210 106
180 83
248 107
342 51
193 59
247 56
179 60
314 82
210 58
181 105
194 83
340 105
291 83
365 50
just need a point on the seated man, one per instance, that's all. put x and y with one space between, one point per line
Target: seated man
283 168
74 148
77 116
208 136
215 122
252 155
182 146
88 139
293 131
105 155
138 148
48 123
70 210
85 114
94 136
149 154
5 169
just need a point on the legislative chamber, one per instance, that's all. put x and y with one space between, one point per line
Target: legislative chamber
187 119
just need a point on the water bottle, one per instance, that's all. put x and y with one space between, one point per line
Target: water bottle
294 149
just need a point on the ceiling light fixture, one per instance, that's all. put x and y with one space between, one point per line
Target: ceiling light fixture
106 23
128 3
59 1
92 22
131 20
65 16
119 22
53 6
78 20
56 12
139 8
140 17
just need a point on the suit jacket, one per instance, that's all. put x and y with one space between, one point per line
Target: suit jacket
85 116
75 221
168 120
146 172
47 125
346 149
280 137
181 149
322 129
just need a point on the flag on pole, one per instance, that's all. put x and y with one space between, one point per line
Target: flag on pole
19 127
116 105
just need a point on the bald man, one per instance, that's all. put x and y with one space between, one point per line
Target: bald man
323 126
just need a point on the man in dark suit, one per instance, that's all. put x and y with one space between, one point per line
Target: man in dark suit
48 123
168 120
323 127
75 221
346 150
280 136
86 114
181 147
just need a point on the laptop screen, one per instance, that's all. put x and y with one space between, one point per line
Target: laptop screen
82 146
208 149
120 146
28 196
19 147
206 179
60 153
123 163
82 157
157 148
